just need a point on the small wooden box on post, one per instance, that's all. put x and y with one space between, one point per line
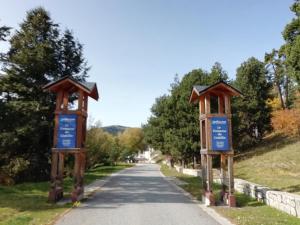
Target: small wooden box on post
216 137
69 132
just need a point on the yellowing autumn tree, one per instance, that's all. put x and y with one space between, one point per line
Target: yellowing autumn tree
131 141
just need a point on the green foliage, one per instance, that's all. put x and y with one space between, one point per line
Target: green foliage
291 48
106 148
4 32
102 147
131 141
276 67
98 145
38 54
173 127
252 115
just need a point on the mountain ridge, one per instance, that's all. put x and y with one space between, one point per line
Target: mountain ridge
115 129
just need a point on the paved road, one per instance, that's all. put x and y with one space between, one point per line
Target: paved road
138 196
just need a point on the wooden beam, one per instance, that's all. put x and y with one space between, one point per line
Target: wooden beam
209 173
59 99
54 167
221 104
80 100
223 170
203 171
61 159
79 132
66 100
227 104
230 175
207 104
85 102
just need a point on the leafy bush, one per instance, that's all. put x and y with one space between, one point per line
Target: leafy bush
286 121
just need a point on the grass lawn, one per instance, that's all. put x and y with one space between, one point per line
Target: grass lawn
274 163
27 203
248 212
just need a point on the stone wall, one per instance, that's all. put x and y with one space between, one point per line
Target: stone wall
284 201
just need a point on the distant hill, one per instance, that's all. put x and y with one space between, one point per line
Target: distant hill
115 129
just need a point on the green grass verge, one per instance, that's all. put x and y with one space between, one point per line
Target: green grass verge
248 212
26 203
274 163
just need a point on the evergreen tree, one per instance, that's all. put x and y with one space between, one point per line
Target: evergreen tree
218 74
173 127
38 54
277 71
254 115
291 49
4 32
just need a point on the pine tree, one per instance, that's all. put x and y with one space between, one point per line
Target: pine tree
254 115
173 127
38 54
291 48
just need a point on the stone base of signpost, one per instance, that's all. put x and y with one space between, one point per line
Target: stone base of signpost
55 195
77 195
209 199
231 200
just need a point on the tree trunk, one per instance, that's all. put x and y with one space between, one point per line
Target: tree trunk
283 106
287 81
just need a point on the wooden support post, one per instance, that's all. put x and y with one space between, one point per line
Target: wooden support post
230 174
201 137
223 175
221 104
56 122
65 101
231 197
210 199
82 168
59 100
208 134
52 193
209 173
79 131
85 103
203 170
61 170
76 175
207 104
227 104
80 100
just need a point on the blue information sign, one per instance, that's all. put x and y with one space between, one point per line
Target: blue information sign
219 134
67 131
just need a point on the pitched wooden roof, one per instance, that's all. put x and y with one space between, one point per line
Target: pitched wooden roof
72 85
219 87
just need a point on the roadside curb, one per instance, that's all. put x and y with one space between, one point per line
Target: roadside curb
211 212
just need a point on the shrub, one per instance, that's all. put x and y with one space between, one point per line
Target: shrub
287 121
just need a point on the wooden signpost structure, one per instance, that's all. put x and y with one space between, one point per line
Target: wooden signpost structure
216 137
69 132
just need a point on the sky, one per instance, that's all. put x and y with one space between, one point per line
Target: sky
136 47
